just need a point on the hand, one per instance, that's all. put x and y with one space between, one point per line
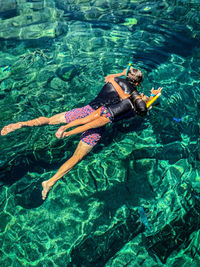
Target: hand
124 72
155 92
65 135
60 133
109 78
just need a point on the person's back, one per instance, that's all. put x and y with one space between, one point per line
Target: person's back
108 94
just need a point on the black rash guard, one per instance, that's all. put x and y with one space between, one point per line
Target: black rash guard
108 95
118 108
127 108
122 110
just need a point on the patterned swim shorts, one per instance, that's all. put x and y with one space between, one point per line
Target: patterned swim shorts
92 136
105 113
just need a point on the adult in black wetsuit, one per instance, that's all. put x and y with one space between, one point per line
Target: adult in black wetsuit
108 95
110 98
131 106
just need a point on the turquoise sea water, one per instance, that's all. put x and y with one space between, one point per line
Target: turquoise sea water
59 53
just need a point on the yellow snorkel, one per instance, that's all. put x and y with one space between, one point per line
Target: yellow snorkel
150 102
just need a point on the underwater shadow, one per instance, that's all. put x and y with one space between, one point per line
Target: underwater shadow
27 186
180 41
127 193
117 132
28 193
21 165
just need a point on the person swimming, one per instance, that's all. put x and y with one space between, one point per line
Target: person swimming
134 104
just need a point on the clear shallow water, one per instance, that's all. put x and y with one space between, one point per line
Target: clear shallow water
59 53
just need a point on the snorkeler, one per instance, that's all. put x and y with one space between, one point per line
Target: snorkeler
131 106
110 94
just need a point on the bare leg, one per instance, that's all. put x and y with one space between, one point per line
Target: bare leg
56 119
81 151
101 121
94 115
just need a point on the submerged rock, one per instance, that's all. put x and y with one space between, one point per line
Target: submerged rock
66 73
29 23
57 83
8 8
97 248
174 235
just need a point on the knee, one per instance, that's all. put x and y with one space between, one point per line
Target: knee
57 119
82 150
42 120
51 120
78 156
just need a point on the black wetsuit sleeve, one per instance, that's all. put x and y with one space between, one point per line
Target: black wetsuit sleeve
122 110
140 107
126 109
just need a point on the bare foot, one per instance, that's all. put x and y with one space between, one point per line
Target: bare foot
59 133
46 189
11 127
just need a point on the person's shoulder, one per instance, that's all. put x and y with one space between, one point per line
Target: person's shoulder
121 81
117 79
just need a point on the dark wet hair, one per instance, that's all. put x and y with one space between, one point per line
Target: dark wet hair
134 76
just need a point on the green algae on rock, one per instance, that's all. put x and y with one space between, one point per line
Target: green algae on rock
130 22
